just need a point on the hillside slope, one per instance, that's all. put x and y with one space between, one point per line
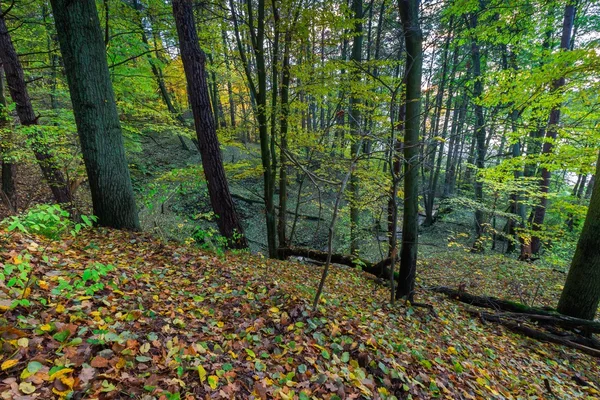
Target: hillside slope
120 315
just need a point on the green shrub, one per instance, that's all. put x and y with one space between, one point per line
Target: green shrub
48 220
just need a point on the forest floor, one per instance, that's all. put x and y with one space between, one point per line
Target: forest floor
113 314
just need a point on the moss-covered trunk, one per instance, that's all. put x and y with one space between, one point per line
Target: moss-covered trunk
84 56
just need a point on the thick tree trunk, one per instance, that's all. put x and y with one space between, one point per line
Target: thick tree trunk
18 91
93 99
581 295
551 134
194 61
9 169
413 37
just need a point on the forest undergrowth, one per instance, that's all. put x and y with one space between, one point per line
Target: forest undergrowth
112 314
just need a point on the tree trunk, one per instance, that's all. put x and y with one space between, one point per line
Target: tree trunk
590 187
194 61
413 37
355 126
581 295
98 125
429 193
479 136
551 133
9 169
283 130
18 91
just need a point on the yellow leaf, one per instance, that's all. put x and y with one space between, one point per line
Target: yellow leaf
17 260
274 309
26 387
201 373
43 285
59 374
27 293
60 308
121 363
68 381
8 364
23 342
213 381
451 350
46 327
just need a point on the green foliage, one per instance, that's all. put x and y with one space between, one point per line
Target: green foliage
89 282
16 276
48 220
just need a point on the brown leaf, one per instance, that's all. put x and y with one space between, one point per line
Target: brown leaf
99 362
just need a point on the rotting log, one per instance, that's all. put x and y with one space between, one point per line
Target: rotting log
571 342
378 269
514 310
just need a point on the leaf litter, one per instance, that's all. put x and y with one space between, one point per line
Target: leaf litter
114 314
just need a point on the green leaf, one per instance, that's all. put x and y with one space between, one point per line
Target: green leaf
345 357
61 336
259 366
302 368
325 354
34 366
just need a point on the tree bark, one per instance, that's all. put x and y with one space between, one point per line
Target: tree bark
581 295
194 61
480 136
413 37
355 125
9 169
18 92
96 116
550 137
283 130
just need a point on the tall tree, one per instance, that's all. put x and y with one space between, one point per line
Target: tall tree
17 87
480 135
355 122
84 56
194 61
551 134
9 168
258 92
581 295
413 37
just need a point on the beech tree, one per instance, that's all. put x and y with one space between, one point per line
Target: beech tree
99 129
413 37
194 61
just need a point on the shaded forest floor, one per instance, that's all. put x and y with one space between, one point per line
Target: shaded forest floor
122 315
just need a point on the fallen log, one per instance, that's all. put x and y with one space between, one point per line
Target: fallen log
536 334
378 269
488 302
519 311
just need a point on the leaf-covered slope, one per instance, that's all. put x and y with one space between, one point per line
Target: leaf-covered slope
171 322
